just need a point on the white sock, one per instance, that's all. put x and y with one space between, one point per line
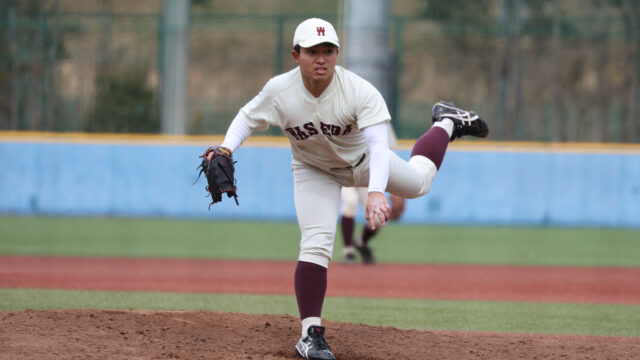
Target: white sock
446 124
308 322
348 250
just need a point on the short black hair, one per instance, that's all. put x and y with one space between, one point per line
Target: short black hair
297 47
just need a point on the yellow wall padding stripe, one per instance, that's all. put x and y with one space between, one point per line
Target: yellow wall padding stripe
281 141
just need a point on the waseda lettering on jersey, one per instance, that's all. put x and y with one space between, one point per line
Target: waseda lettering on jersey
293 133
327 129
310 128
301 134
334 130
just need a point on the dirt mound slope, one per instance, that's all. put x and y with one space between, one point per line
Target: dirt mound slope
115 334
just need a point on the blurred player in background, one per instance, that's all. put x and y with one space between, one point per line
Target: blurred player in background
337 125
351 198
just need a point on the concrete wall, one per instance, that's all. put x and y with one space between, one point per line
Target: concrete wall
489 187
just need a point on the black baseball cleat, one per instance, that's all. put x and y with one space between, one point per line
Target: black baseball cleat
314 346
464 122
365 251
366 254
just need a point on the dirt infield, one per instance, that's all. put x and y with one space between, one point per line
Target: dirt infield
417 281
104 334
101 334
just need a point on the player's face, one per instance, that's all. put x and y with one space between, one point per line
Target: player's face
317 63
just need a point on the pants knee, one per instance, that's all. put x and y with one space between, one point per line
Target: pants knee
321 259
427 169
317 249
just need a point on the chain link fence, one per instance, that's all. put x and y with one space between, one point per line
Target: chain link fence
554 78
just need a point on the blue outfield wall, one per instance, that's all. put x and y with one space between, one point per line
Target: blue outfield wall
472 188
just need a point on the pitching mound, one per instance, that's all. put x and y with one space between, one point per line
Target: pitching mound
105 334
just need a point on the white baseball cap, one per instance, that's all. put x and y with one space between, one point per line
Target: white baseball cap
314 31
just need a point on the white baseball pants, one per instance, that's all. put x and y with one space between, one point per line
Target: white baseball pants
351 197
317 196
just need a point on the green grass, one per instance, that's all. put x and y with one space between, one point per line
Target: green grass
510 246
522 317
148 238
280 241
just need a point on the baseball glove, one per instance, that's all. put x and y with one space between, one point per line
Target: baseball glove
219 172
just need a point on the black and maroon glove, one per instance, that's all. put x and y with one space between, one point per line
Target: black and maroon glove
219 172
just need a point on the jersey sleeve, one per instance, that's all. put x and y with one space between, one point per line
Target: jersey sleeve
371 108
260 112
377 138
237 133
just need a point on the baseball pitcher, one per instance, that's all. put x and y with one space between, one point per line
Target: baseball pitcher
337 124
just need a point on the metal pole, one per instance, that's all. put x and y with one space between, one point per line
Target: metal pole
50 70
15 70
366 37
396 77
175 35
279 68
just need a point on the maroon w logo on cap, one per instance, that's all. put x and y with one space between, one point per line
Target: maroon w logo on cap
320 30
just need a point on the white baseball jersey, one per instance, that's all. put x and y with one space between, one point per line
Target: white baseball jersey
325 131
327 142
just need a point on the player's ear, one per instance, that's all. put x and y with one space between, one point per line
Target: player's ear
296 56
